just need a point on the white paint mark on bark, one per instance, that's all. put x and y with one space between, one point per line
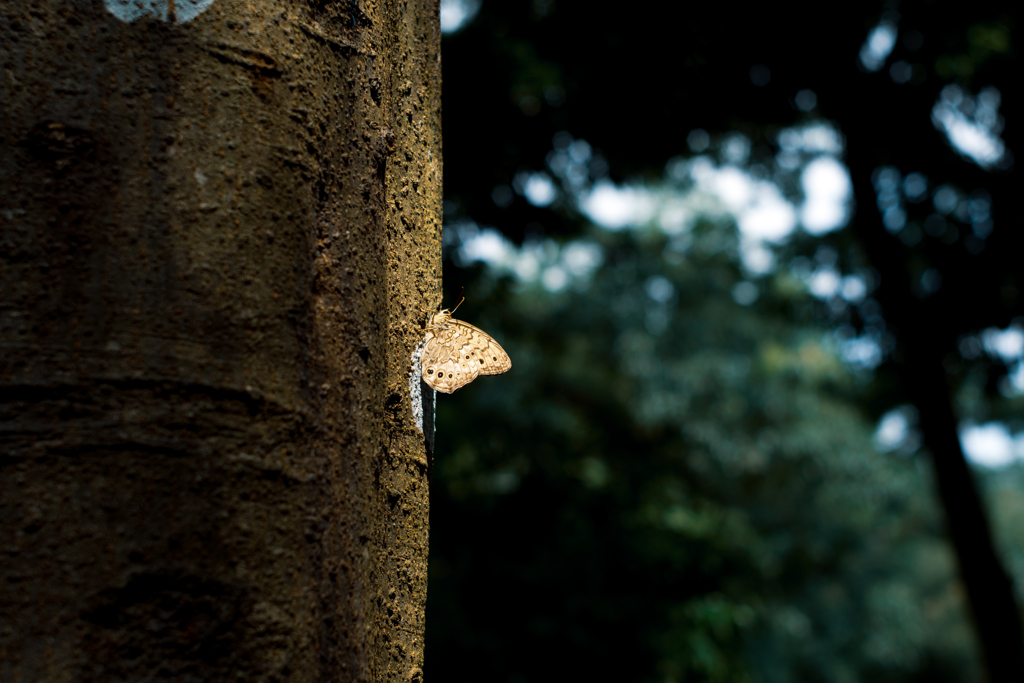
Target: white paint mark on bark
166 10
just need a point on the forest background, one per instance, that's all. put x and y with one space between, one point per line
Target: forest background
758 273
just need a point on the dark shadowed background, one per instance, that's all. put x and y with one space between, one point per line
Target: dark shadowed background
758 270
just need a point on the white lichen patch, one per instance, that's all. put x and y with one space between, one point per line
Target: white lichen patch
416 388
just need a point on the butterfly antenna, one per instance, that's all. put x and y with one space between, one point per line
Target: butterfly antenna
458 304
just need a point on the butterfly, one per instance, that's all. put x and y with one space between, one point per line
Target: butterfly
456 353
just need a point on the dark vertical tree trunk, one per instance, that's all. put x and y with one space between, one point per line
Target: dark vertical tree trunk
219 237
923 340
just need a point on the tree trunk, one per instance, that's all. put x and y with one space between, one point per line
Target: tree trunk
220 238
923 339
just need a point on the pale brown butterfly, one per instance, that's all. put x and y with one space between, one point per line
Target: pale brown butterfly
456 353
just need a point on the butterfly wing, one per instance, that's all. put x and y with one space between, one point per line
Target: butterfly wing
440 360
482 349
457 353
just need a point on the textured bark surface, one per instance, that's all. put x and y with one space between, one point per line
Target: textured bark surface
219 238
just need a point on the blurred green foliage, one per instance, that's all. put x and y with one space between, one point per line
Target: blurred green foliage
671 486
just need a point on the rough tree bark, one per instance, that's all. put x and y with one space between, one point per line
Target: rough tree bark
219 237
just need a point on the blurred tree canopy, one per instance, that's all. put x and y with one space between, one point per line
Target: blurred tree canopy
681 478
667 483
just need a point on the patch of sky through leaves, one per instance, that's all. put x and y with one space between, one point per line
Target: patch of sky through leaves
702 186
878 45
456 14
972 124
718 184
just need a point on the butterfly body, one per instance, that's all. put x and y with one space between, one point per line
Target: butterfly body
455 353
